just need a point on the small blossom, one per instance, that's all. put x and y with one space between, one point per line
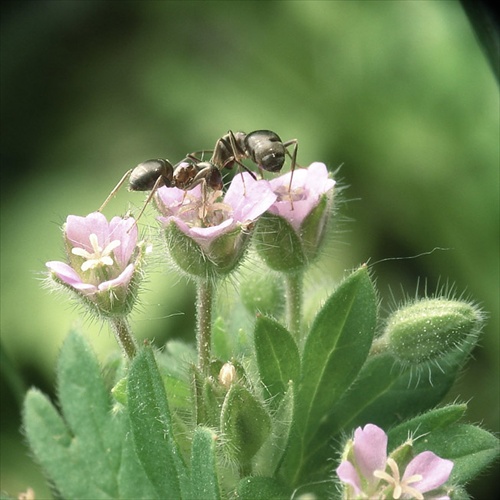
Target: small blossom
296 202
369 473
103 260
220 229
290 234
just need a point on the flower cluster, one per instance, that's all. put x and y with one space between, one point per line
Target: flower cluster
221 227
368 473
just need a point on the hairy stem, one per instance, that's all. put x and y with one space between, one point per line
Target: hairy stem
204 301
293 283
124 336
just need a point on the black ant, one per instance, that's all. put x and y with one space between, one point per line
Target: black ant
263 147
152 174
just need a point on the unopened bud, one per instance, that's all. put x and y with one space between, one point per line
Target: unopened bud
227 374
429 329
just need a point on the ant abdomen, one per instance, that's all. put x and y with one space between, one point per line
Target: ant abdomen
146 174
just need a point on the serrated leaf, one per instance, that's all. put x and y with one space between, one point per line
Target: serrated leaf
204 480
86 406
277 357
152 428
50 441
81 450
244 422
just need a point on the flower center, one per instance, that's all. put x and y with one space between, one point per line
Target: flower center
284 194
400 487
206 211
100 257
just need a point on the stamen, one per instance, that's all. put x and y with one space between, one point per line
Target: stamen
99 257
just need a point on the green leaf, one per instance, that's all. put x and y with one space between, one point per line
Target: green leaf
244 422
277 357
336 348
262 488
269 457
50 441
471 448
204 481
83 451
424 424
334 352
386 393
86 406
152 428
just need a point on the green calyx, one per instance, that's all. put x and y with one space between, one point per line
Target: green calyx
215 259
286 250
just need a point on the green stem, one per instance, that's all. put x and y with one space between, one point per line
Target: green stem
293 284
124 336
204 301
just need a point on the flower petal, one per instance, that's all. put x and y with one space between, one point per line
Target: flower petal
249 197
370 450
434 470
347 474
69 276
308 185
121 281
124 230
78 230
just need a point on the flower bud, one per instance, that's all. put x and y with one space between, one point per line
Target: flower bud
429 329
227 375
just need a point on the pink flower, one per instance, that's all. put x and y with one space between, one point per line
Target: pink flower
308 186
208 237
290 234
102 258
203 220
368 472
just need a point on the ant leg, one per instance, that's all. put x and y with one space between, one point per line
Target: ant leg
293 156
150 196
115 190
194 154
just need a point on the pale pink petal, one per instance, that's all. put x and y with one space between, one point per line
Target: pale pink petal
249 198
370 450
124 230
434 470
348 474
69 276
78 230
172 199
123 280
318 179
308 185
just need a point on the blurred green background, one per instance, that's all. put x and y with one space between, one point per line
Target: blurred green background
397 92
